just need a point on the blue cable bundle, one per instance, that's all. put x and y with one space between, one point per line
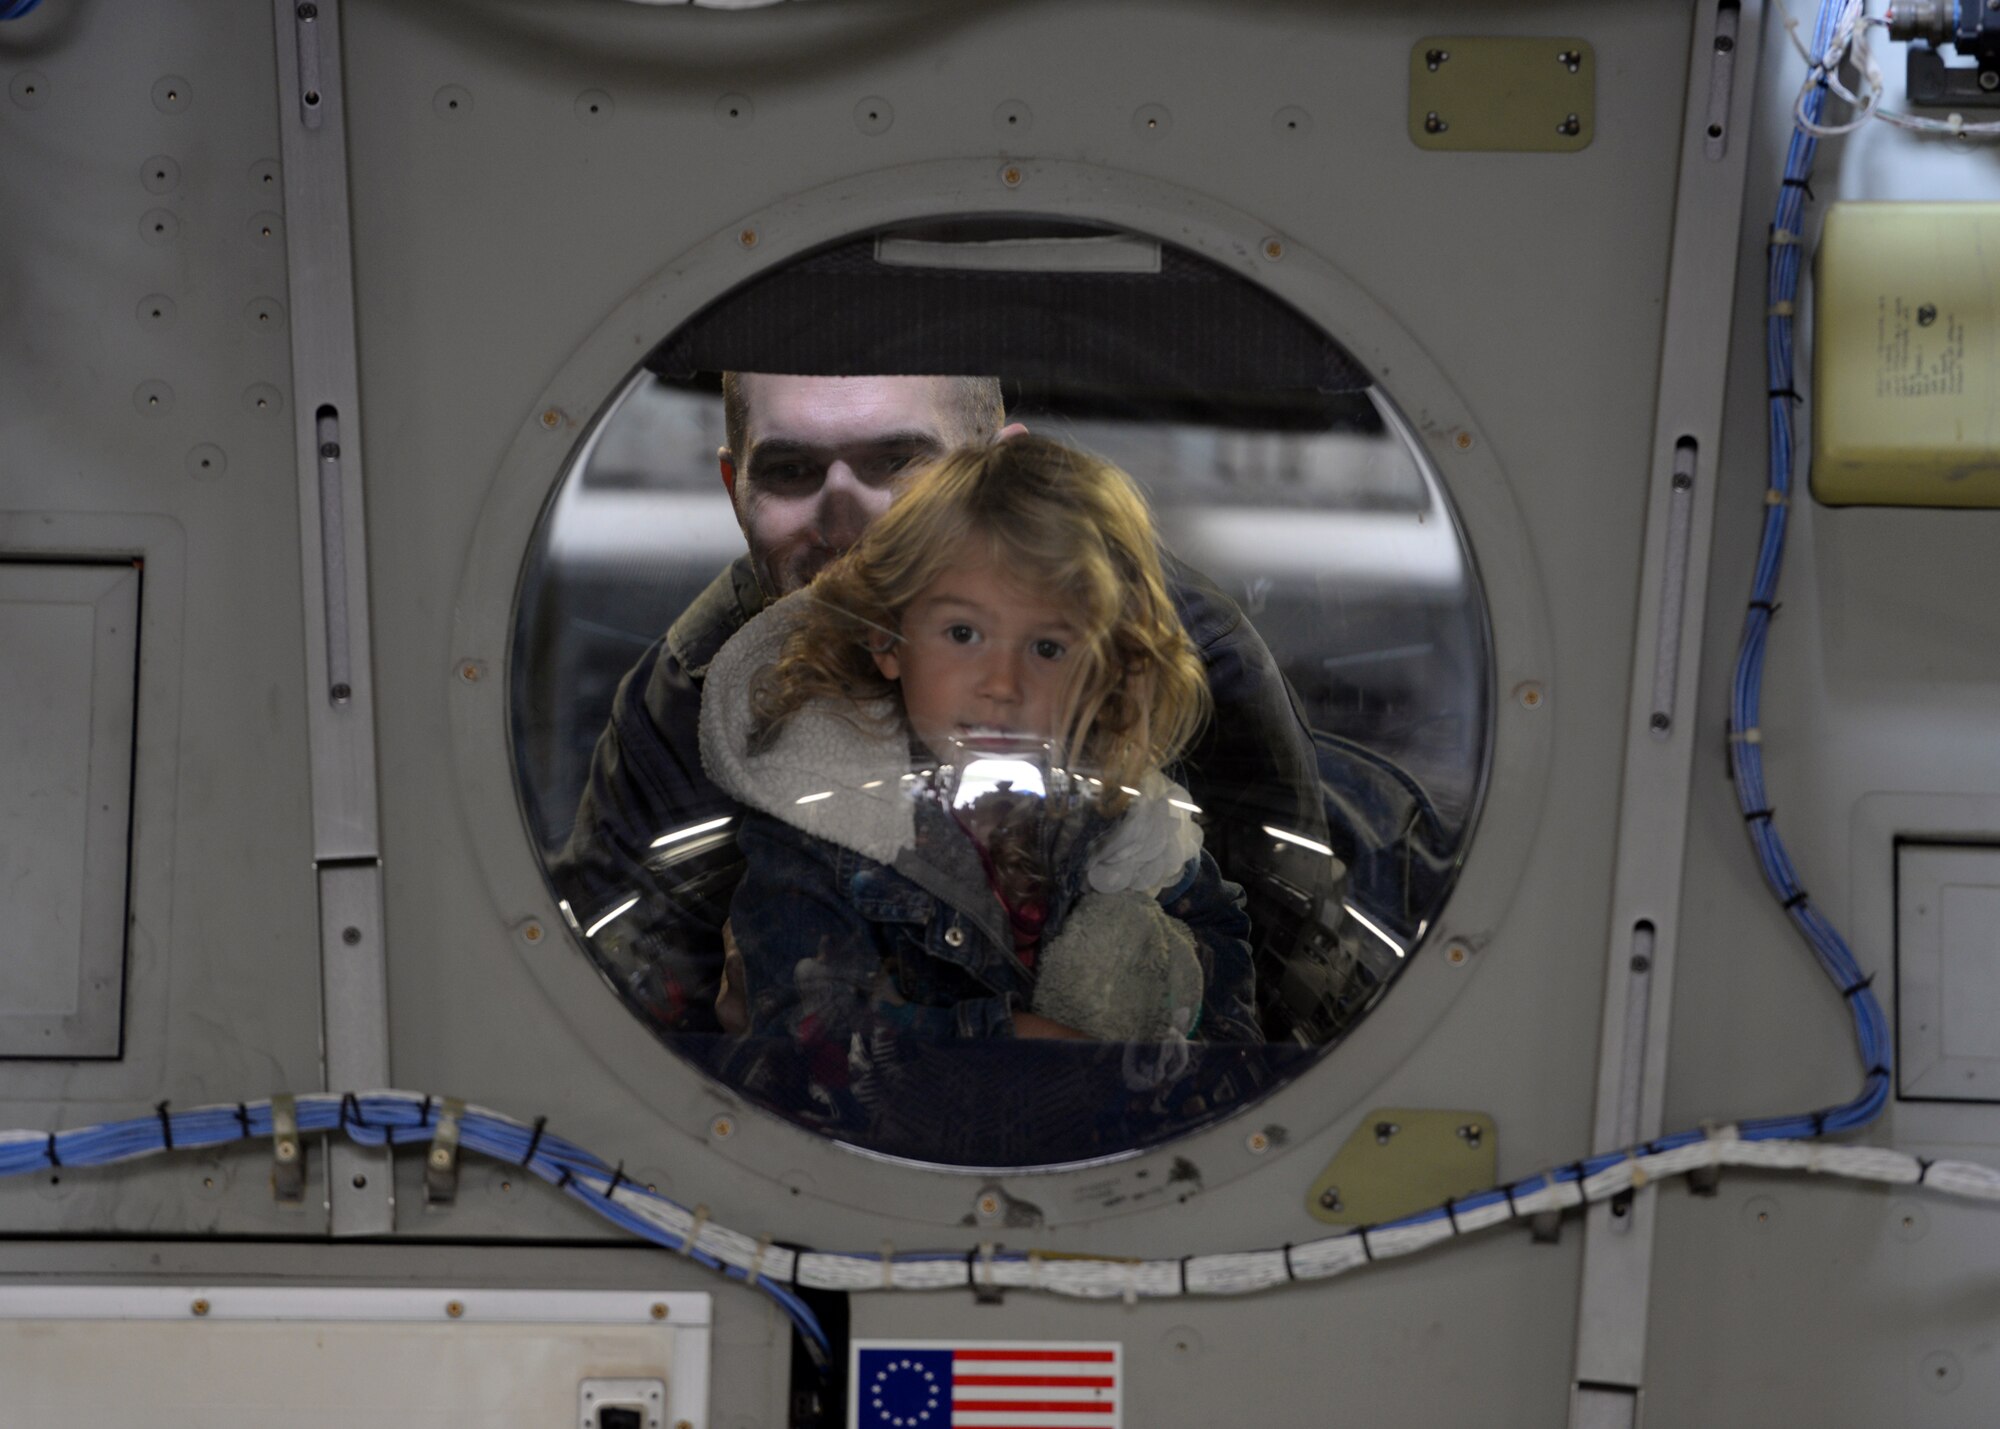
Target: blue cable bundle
15 9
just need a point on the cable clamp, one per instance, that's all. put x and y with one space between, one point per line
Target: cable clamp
1131 1284
288 1154
694 1231
441 1164
1034 1270
757 1260
984 1291
889 1266
1639 1176
1582 1175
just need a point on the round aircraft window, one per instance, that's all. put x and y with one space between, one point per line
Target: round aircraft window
1000 695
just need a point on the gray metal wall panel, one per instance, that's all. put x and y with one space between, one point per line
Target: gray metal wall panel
140 176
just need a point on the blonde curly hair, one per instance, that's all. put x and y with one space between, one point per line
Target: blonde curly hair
1058 521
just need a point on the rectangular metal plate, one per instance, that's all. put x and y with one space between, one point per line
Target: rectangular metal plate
1401 1160
1502 94
1948 971
71 633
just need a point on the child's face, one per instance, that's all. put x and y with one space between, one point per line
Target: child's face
981 654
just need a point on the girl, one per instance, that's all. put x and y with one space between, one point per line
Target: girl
949 749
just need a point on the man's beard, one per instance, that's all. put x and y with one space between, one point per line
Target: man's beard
797 572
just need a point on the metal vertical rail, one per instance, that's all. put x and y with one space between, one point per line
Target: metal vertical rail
333 541
1659 739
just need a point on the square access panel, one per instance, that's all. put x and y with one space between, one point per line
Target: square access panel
68 698
1948 971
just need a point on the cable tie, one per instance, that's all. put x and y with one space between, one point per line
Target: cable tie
1451 1215
970 1283
1795 900
535 1140
54 1160
1781 310
798 1256
1769 607
617 1176
1878 1070
350 1108
1756 814
1513 1211
1819 1124
1290 1274
424 1116
889 1264
694 1231
757 1260
1184 1261
1366 1249
1923 1168
243 1117
1860 986
562 1181
1582 1175
1791 392
166 1124
1799 184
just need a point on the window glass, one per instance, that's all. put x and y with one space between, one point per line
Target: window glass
1029 849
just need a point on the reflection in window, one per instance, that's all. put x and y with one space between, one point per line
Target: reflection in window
1279 871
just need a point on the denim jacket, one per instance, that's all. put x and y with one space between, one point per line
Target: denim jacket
865 911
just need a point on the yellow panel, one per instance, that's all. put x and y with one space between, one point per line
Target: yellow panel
1906 355
1404 1159
1532 94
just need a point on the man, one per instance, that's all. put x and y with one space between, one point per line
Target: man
808 463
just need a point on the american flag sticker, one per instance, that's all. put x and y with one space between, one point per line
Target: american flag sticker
985 1384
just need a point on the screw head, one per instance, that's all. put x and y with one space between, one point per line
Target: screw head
1011 176
1457 954
552 419
1434 124
1661 722
1258 1143
1641 963
329 451
748 238
1434 58
1273 249
454 1308
350 936
440 1158
1329 1199
1463 441
531 931
308 12
341 694
989 1205
1530 695
1384 1130
722 1128
200 1307
659 1310
469 671
288 1151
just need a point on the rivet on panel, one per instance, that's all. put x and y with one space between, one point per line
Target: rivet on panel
206 462
265 228
1011 176
1458 953
874 115
172 94
156 310
1152 121
1291 122
1529 695
263 397
1463 441
748 238
264 175
153 399
552 418
734 111
532 932
265 314
471 671
595 108
156 225
29 89
1257 1143
722 1128
1013 117
200 1307
987 1207
454 101
159 174
659 1310
454 1308
1273 249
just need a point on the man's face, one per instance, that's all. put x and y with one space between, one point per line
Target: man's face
821 459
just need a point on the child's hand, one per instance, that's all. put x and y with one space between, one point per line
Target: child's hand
1033 1024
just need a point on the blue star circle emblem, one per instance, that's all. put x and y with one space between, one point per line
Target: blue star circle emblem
904 1393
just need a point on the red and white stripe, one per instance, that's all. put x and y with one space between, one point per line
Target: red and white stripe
1036 1386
